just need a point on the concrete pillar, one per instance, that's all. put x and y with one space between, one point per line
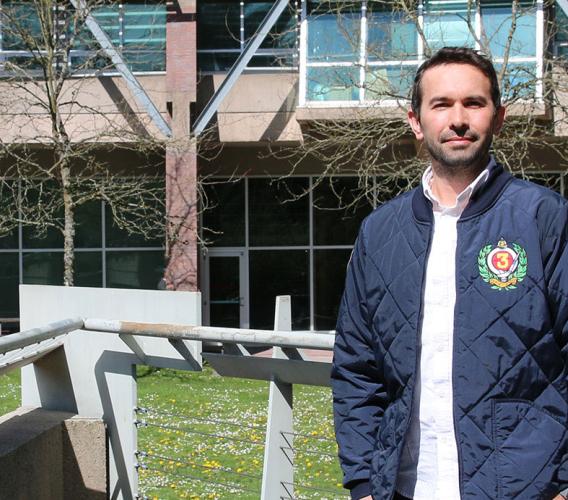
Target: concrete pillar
181 158
278 467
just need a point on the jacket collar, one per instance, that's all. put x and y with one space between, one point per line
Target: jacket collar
482 199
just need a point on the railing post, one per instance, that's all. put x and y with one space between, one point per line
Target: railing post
278 469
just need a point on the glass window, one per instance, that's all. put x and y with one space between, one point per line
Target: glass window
117 236
88 218
561 25
329 282
218 31
8 191
108 17
20 17
333 83
88 269
43 268
390 35
449 23
333 32
217 61
218 25
40 195
283 33
224 291
137 28
334 224
497 20
279 272
144 36
134 269
10 240
519 81
9 281
275 216
388 82
224 214
87 230
278 60
220 38
51 238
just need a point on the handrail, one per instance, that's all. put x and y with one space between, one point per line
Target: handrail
35 335
214 334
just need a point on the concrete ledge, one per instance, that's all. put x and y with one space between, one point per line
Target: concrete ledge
51 455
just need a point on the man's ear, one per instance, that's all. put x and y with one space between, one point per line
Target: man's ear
414 122
499 119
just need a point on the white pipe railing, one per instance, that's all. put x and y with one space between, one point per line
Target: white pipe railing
95 376
215 334
36 335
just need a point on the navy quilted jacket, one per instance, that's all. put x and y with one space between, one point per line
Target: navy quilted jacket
510 343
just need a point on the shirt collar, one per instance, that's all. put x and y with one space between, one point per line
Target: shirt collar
463 198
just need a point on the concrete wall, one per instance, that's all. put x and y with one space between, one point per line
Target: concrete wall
51 455
102 109
260 108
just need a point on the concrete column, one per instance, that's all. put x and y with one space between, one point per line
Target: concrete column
181 158
278 468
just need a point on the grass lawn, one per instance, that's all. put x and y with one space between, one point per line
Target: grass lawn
203 436
9 391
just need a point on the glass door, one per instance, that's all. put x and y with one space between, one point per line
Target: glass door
225 290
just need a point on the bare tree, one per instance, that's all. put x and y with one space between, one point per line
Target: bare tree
59 139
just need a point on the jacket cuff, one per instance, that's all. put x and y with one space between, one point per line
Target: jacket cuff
360 489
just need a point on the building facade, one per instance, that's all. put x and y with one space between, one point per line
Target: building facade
258 228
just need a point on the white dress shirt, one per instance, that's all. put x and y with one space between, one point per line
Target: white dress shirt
429 461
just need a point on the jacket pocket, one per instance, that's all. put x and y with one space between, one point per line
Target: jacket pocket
527 443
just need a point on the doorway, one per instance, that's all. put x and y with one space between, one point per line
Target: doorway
225 288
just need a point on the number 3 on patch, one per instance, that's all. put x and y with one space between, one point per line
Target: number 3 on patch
502 266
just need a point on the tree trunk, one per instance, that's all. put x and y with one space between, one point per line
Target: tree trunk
69 228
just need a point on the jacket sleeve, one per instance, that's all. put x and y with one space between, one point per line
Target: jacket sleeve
359 397
556 277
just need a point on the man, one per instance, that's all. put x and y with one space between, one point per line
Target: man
449 375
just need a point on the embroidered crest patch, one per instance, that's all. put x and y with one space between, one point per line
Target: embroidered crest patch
501 266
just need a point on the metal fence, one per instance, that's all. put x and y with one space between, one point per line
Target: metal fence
103 380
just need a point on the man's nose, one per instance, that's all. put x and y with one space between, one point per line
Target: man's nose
458 118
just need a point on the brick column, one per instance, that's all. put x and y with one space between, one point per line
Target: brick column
181 159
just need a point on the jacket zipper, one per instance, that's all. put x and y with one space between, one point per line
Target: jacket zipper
454 349
417 357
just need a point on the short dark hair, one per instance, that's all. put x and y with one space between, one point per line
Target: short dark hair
456 55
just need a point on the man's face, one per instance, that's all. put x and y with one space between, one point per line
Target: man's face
457 116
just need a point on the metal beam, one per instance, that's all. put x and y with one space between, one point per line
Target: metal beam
289 371
133 84
214 334
23 339
563 5
240 64
28 354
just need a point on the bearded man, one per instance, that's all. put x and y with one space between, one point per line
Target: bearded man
449 374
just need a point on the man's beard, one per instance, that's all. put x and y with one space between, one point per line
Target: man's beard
459 160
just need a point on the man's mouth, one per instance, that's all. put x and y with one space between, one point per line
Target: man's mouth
459 140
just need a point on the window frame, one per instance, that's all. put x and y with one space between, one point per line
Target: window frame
364 65
261 52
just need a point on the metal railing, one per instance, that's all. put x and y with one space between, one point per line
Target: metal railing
98 356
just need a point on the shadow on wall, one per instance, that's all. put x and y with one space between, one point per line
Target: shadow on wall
52 455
